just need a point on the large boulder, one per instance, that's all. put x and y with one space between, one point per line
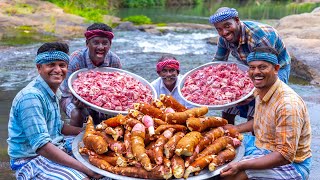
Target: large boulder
301 34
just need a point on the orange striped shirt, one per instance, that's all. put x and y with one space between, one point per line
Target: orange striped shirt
282 124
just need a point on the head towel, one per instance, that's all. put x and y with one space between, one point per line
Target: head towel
224 15
51 56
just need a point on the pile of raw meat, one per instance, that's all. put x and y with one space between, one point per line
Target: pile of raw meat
111 90
217 85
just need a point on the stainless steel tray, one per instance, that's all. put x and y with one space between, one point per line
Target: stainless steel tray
205 174
214 107
74 75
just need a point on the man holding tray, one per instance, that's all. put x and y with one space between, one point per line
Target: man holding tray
96 54
240 38
280 148
36 144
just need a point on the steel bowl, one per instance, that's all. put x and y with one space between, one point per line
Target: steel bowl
74 76
204 174
214 107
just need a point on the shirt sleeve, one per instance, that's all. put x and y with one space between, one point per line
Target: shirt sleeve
33 121
288 129
223 51
114 60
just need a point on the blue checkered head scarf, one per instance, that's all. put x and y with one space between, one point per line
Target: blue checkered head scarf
225 14
262 56
51 56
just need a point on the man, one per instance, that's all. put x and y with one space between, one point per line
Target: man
97 54
280 148
240 38
36 145
168 69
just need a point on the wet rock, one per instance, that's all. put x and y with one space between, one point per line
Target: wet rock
301 34
126 26
212 40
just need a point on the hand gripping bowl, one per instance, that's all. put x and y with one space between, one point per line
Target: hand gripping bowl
74 76
214 107
204 174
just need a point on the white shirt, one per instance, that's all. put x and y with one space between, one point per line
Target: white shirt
162 89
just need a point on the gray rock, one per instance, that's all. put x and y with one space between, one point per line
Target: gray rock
126 26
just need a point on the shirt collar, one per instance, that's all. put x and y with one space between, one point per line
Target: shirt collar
46 87
271 91
90 63
162 86
242 39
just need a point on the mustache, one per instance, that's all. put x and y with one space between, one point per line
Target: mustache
169 78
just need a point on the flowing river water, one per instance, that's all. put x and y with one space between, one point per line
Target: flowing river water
139 52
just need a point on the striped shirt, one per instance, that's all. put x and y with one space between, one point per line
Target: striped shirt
282 124
80 59
34 120
253 34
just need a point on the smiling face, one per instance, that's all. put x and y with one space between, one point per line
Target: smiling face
53 73
263 74
98 49
169 77
229 29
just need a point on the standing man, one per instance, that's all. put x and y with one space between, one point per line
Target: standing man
280 148
97 54
240 38
36 145
168 69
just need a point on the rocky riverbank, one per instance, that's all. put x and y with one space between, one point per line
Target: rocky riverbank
301 33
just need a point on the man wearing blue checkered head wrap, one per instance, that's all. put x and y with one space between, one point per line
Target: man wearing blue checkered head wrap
239 38
36 133
281 147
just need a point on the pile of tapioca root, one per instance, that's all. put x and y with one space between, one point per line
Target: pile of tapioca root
160 140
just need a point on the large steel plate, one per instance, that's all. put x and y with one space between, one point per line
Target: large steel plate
214 107
204 174
74 76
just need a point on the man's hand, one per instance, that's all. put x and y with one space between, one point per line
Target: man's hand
231 170
78 103
246 101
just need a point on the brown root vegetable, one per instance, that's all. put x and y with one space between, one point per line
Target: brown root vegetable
116 146
92 140
127 143
177 127
169 101
159 146
187 144
148 109
218 145
158 172
198 165
223 157
170 146
233 132
181 117
138 147
206 140
177 165
201 124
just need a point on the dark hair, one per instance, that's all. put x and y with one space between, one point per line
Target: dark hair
266 49
100 26
54 46
163 58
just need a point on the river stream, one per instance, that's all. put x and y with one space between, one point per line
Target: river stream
139 52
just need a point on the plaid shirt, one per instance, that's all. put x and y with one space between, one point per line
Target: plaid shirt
282 124
252 35
80 59
34 120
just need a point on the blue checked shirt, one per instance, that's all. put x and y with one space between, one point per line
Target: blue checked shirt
80 59
34 120
253 34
